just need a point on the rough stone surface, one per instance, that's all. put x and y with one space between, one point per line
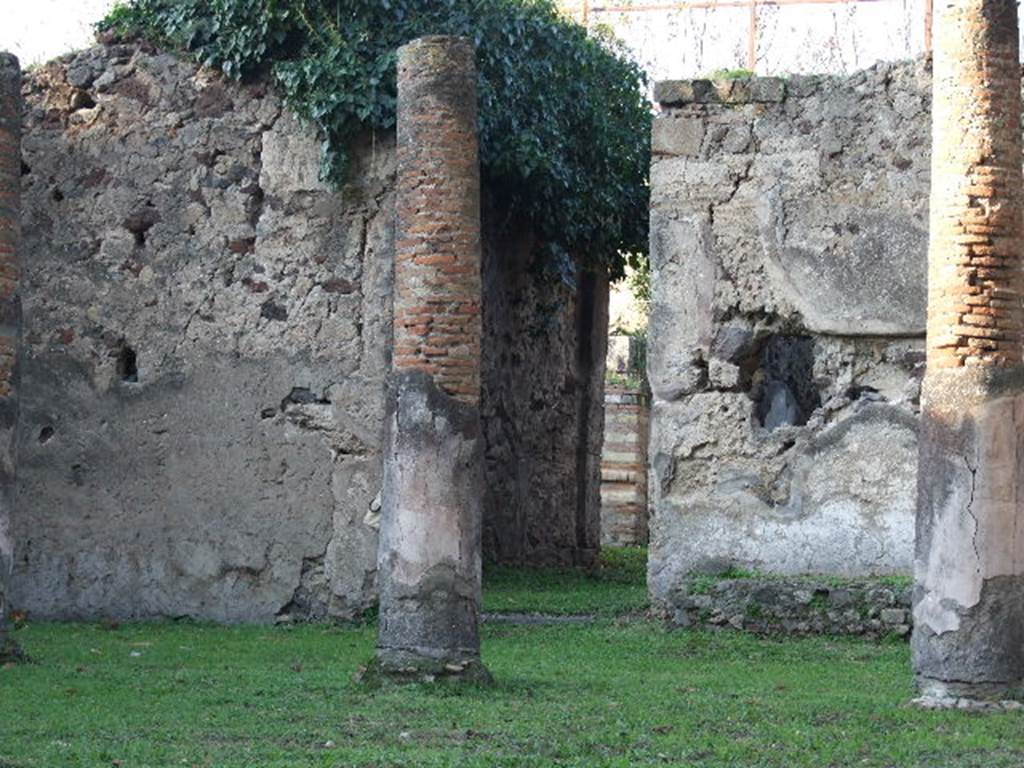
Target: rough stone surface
10 323
208 332
430 556
788 311
543 406
800 606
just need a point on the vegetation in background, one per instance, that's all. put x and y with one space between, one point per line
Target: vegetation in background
639 282
564 118
634 376
731 74
630 381
703 583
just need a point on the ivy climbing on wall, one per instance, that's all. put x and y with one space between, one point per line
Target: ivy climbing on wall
564 116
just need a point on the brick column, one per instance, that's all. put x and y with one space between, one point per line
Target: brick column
10 321
433 473
968 640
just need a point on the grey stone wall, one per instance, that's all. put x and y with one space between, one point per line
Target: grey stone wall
789 233
542 405
208 331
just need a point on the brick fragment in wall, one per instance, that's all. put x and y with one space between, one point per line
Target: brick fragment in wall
968 577
624 469
432 499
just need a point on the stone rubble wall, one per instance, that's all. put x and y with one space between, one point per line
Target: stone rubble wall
543 406
789 237
10 322
798 606
624 469
208 333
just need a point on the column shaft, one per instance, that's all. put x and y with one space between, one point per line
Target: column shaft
433 475
969 596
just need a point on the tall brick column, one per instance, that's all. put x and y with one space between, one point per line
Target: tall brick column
433 473
969 597
10 321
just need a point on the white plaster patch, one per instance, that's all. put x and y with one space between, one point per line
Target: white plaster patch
974 536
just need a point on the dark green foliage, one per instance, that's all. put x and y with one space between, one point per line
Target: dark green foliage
564 121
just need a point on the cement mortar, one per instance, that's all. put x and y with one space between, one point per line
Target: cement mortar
430 562
969 598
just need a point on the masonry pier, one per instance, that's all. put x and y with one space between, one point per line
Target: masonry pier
968 641
10 322
429 567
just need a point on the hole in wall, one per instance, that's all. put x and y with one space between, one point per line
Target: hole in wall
140 221
302 396
45 434
56 195
25 168
787 395
858 391
81 99
127 364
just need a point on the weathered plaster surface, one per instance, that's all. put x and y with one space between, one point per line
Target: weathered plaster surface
208 330
788 253
970 550
430 537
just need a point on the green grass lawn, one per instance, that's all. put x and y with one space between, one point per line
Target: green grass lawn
617 586
612 693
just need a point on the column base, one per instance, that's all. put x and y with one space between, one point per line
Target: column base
974 697
405 668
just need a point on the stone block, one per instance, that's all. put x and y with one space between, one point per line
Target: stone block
290 159
678 92
676 135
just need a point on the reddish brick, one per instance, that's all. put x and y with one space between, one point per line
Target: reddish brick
437 321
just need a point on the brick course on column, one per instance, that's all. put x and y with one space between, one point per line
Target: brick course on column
975 315
429 561
10 319
437 259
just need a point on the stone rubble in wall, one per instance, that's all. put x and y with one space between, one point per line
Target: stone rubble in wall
788 262
208 333
178 218
792 606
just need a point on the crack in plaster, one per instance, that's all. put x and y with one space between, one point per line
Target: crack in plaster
970 510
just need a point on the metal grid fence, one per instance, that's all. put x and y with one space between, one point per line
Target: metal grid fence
588 12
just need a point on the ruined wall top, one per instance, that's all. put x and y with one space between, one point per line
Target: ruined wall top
775 90
670 93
